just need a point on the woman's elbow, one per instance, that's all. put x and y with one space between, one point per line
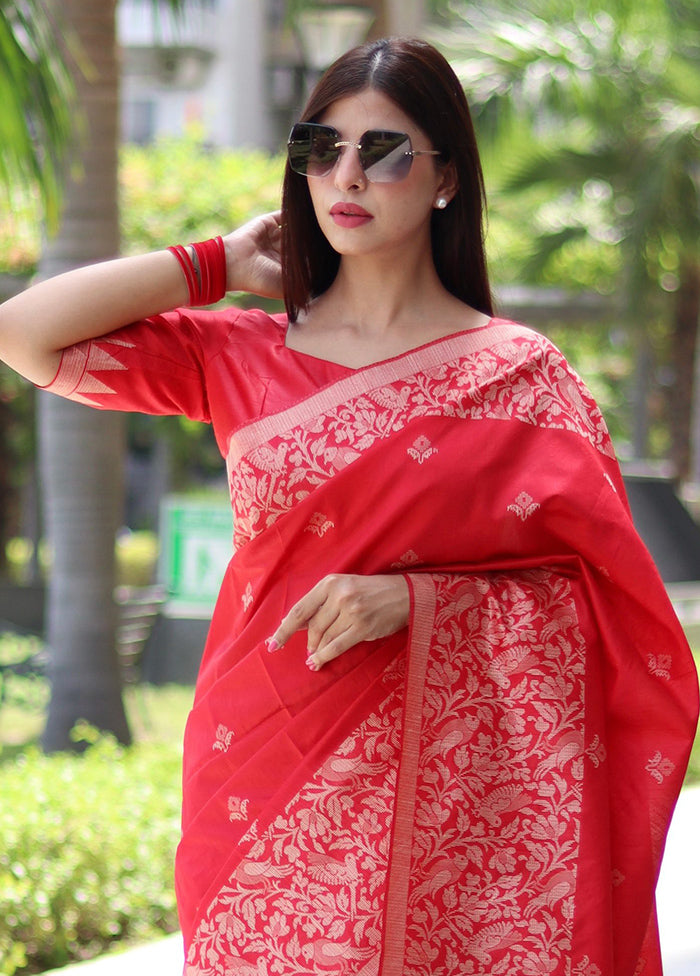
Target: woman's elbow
21 347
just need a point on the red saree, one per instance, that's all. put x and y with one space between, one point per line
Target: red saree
487 792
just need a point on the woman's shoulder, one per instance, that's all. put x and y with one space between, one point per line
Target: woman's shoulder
531 349
221 327
514 328
506 329
235 317
503 331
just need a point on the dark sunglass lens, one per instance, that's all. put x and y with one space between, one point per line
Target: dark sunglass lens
323 152
311 149
384 156
298 148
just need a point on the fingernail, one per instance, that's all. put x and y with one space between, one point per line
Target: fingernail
272 645
311 664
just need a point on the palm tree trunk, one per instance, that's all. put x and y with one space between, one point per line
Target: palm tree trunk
83 490
6 492
82 450
688 306
643 370
685 335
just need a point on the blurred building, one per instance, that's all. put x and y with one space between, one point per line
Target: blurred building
235 67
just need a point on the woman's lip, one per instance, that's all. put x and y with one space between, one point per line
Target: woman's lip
349 210
349 215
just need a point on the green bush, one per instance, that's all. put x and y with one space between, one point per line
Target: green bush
179 189
692 777
86 851
136 555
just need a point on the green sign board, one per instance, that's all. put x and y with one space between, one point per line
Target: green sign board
195 548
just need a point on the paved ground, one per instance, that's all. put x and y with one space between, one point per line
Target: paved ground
678 902
678 892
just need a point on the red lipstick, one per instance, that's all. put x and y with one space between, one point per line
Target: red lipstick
349 215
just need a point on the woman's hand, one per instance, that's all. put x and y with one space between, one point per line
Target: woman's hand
341 611
253 257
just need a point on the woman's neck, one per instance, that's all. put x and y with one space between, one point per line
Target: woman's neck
374 299
373 313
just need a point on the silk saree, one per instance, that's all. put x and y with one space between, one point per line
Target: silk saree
487 791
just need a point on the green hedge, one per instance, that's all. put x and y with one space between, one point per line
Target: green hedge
86 851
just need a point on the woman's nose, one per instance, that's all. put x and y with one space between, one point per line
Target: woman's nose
348 173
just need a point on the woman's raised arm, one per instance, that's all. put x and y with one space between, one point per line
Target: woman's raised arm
38 324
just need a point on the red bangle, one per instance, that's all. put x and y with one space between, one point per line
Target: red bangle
212 266
206 284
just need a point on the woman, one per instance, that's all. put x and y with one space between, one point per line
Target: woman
445 708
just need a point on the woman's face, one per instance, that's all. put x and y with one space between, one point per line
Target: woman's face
360 217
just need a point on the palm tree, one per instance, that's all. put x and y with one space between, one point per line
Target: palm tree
34 84
81 451
47 50
37 95
610 93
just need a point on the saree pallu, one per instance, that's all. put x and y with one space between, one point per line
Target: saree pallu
487 791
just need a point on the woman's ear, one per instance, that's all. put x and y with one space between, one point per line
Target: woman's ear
447 187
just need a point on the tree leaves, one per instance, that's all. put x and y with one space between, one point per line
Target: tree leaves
36 92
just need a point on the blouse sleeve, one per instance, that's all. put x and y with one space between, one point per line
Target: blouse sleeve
155 366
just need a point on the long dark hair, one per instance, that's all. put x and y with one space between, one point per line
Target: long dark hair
421 82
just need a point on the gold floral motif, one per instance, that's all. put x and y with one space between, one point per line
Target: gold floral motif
223 740
319 524
659 767
237 808
495 842
524 506
277 471
247 598
421 450
660 665
409 558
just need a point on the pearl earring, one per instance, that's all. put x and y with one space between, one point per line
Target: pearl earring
441 203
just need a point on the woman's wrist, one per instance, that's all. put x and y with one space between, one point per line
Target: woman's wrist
233 263
204 267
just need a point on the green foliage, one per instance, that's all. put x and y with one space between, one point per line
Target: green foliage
600 100
86 850
603 357
589 111
19 553
17 450
20 224
24 691
179 190
692 777
136 554
87 841
18 648
38 119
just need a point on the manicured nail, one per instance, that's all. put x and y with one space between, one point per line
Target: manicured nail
311 664
272 645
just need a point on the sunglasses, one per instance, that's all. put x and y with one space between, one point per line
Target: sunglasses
385 157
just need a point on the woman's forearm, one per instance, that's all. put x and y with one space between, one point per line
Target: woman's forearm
36 325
